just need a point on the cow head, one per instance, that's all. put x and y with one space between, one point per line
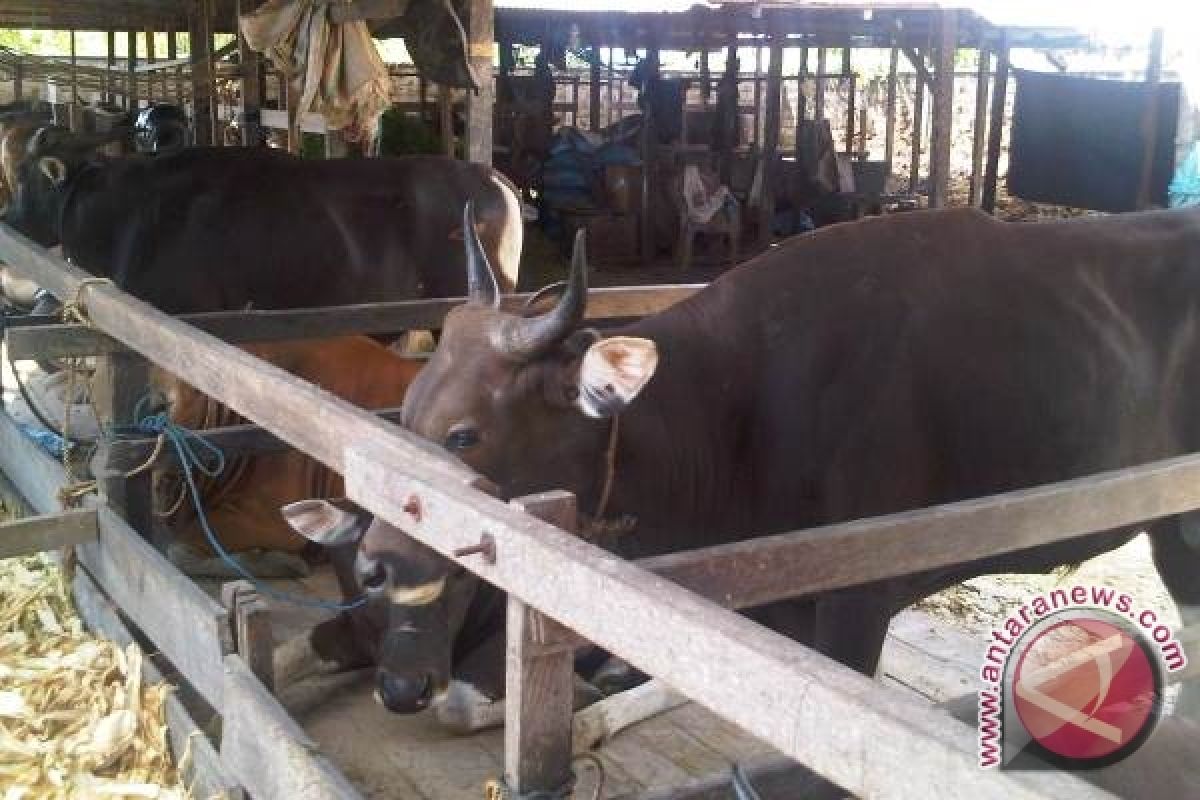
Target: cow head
52 158
526 401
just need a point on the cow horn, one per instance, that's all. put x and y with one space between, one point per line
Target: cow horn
526 338
39 140
481 281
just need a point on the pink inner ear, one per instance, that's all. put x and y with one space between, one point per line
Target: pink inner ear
316 520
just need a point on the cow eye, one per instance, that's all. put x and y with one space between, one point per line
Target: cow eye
462 439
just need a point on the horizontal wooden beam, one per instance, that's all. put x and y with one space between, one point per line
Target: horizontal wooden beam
264 748
198 761
769 568
883 742
68 341
186 625
31 535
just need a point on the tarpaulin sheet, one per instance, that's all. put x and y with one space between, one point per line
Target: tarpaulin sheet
1080 141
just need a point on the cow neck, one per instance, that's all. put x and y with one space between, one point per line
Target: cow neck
72 188
597 525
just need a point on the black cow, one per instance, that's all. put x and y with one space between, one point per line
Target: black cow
868 368
207 229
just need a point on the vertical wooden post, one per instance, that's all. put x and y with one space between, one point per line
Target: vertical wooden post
889 136
19 80
131 90
851 111
978 138
110 67
918 132
150 95
943 110
252 87
539 679
1149 121
611 86
253 636
649 152
200 37
74 71
705 77
819 90
120 383
757 94
446 120
176 73
996 129
481 38
770 150
594 91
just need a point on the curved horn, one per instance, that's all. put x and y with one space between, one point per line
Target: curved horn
481 281
38 140
525 339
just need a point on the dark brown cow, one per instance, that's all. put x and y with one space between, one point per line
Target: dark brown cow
208 229
865 369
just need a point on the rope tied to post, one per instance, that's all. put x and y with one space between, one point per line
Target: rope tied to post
498 789
76 311
194 452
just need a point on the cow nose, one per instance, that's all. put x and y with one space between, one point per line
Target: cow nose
405 694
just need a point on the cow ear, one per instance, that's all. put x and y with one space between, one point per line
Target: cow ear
54 169
612 373
322 522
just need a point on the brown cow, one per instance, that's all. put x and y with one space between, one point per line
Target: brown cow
243 502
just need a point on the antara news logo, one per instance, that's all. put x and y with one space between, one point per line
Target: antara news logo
1074 678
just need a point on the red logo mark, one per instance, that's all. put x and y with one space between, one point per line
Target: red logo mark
1086 690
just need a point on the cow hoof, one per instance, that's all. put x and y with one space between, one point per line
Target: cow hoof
462 709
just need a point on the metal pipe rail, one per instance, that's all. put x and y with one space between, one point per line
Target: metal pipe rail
870 739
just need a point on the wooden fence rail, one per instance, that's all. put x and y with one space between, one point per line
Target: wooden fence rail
42 340
870 739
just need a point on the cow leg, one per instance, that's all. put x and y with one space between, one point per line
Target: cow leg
851 625
329 648
1176 543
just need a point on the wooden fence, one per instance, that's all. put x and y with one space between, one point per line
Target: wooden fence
668 616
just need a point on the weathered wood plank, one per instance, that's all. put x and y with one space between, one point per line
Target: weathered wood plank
188 627
539 679
43 340
264 748
201 770
898 745
979 127
769 568
36 475
253 636
943 110
24 537
991 172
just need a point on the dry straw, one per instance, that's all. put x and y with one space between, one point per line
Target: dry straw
77 719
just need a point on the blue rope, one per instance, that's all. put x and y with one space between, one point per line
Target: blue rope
196 452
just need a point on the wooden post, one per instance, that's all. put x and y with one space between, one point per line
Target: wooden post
594 91
757 94
19 80
200 38
446 120
819 89
252 87
918 131
1149 119
539 679
649 152
851 111
943 110
150 95
119 385
110 67
131 89
889 136
481 38
611 86
176 73
996 129
770 150
705 78
74 73
977 131
253 636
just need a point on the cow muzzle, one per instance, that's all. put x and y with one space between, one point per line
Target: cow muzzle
405 694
